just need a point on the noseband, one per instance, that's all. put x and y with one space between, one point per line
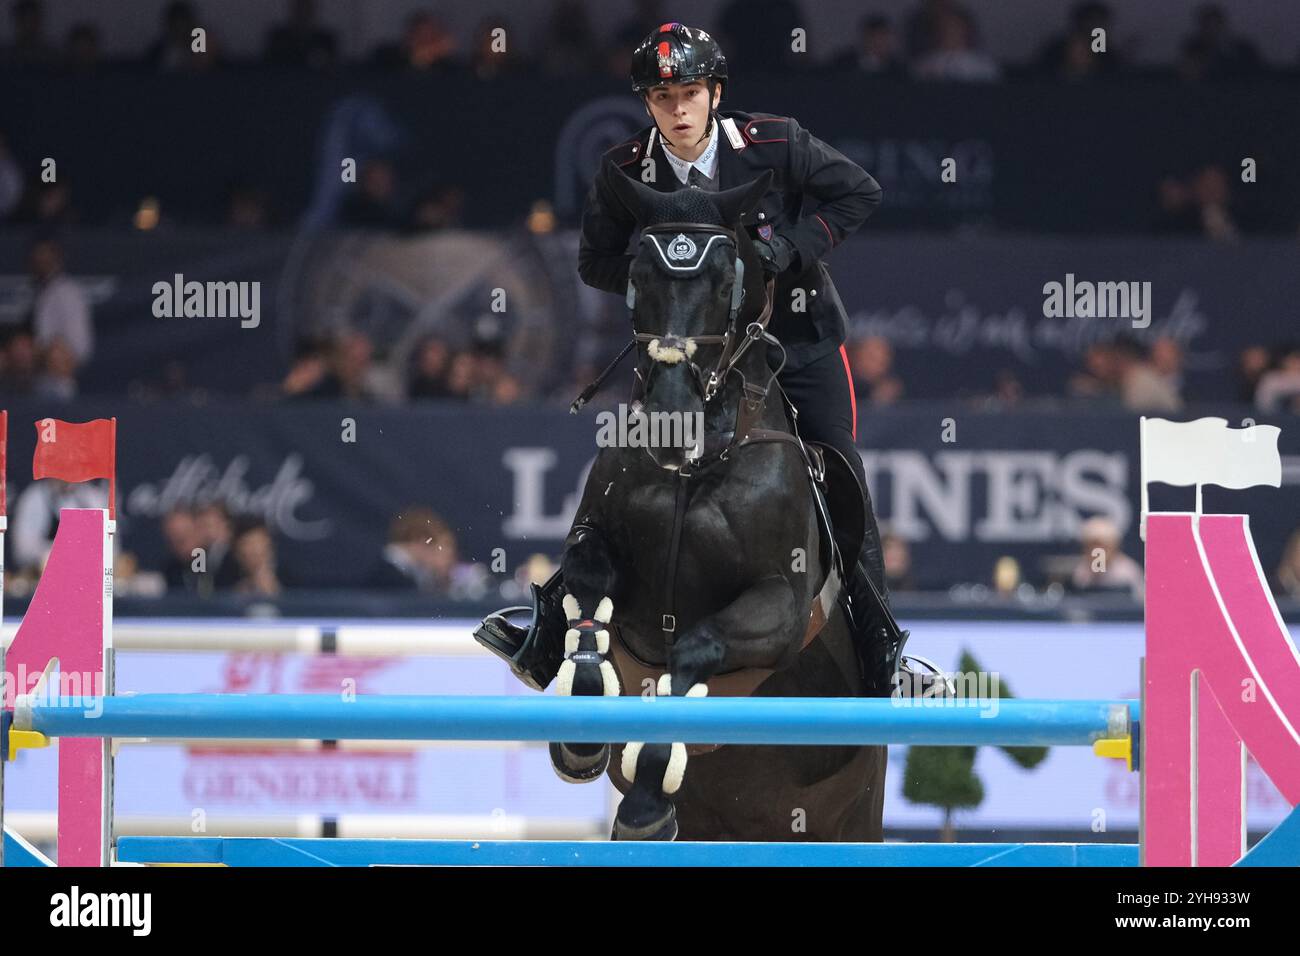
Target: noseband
681 255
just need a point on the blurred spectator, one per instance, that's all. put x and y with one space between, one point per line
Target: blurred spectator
11 181
581 375
1100 375
1279 388
537 569
36 516
300 41
898 562
1210 193
1252 363
19 365
463 376
429 377
872 360
47 204
81 52
487 63
254 554
421 555
427 46
173 51
1069 56
924 25
756 35
1101 564
181 534
30 47
1143 388
954 56
349 374
494 383
1212 53
1006 576
876 52
371 202
246 206
439 208
1167 362
1177 215
506 390
172 382
1198 205
1008 391
569 44
58 376
310 366
1288 571
129 580
60 310
216 536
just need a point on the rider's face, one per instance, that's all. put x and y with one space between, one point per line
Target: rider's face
681 110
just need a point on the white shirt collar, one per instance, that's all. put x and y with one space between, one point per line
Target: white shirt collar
707 162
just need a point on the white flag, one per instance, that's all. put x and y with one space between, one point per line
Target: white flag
1208 452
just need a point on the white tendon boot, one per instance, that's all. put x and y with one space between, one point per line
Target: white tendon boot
646 812
677 761
586 672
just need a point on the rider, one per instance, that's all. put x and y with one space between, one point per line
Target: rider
680 74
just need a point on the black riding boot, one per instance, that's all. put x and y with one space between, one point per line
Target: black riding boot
875 633
879 639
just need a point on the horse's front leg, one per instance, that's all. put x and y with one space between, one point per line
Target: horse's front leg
761 628
589 577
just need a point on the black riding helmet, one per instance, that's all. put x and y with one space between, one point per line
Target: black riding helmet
676 53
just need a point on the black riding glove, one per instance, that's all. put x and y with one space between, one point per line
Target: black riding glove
777 254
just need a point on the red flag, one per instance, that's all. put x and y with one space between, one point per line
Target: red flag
77 451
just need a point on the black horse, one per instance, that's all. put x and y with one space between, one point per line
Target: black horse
702 568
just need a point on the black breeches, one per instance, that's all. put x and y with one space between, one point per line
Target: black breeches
822 391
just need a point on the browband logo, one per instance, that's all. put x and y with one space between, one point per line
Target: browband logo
681 248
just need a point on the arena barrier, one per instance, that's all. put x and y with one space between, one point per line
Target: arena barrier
1215 644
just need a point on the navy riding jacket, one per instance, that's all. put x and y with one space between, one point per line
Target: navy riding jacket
818 198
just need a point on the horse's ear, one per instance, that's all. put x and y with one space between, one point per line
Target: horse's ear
636 196
735 202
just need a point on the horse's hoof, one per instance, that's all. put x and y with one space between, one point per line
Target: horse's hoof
575 768
665 828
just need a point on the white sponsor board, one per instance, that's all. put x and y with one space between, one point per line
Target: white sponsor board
1071 789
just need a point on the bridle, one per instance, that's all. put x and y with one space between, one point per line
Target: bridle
680 255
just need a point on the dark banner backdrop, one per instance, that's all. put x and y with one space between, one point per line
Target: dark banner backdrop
957 310
1014 484
1031 155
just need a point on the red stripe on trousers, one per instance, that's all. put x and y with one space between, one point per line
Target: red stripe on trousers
853 397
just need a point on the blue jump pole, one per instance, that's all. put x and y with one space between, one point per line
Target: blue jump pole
774 720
